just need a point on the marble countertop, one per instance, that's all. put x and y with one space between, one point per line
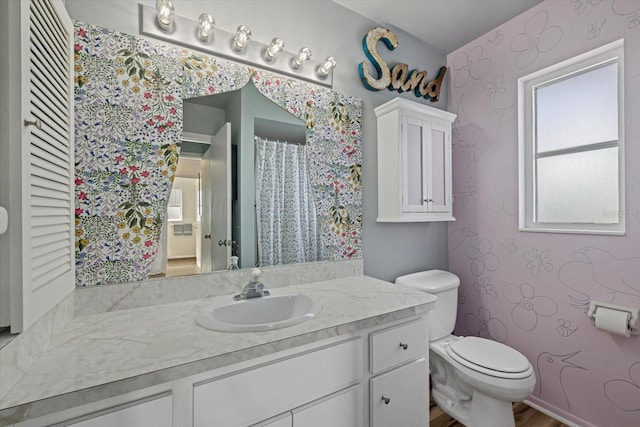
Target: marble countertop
106 354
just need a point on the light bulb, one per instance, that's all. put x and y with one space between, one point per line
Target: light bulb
300 58
206 24
243 35
165 14
328 65
277 45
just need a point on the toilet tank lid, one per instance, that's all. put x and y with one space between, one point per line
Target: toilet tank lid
430 280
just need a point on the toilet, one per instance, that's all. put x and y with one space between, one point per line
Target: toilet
475 380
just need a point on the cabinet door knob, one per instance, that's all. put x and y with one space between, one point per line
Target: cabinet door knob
207 236
386 399
404 346
428 200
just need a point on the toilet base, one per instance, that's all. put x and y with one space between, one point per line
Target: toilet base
484 412
473 398
492 413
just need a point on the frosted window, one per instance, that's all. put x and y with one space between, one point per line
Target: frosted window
578 187
174 207
572 145
577 110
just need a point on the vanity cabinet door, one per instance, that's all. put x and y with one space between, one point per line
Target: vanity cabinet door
157 412
342 409
401 397
258 394
285 420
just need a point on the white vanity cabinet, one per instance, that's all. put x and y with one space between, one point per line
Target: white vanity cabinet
401 397
340 381
399 389
257 394
155 412
414 162
342 409
284 420
155 409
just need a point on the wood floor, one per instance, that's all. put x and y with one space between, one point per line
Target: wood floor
182 267
525 417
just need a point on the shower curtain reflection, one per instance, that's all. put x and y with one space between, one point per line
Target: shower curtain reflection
288 230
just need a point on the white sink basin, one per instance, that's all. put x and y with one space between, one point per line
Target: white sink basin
260 314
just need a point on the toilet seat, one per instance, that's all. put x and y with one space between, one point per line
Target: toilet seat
490 358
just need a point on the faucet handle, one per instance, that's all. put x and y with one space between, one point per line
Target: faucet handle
255 275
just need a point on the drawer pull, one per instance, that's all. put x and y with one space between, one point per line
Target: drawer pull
386 399
404 346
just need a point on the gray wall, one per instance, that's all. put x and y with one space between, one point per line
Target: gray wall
201 118
328 30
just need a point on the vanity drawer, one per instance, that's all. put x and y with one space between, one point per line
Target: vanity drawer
257 394
396 345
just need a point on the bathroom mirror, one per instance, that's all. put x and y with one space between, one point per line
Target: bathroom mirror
129 127
268 150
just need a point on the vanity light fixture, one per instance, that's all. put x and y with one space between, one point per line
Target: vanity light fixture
326 67
277 46
243 35
205 35
165 14
302 56
206 24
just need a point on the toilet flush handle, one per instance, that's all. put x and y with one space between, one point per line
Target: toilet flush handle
386 399
404 346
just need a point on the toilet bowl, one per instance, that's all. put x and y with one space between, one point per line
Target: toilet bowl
475 380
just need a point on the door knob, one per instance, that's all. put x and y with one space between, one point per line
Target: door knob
207 236
226 242
37 123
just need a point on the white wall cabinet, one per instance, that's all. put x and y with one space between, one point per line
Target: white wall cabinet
414 162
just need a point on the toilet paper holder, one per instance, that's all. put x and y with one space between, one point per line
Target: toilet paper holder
633 322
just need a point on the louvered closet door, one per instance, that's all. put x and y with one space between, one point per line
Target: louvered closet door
47 159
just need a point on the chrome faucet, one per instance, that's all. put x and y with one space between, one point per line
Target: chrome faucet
254 289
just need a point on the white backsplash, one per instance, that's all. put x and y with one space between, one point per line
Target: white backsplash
99 299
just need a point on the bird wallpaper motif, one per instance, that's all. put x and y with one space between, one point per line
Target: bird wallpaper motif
532 290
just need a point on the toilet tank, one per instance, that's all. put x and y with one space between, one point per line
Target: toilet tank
444 285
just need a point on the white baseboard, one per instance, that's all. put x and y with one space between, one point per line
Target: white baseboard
554 415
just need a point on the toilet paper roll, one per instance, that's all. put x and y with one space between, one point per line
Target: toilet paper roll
613 321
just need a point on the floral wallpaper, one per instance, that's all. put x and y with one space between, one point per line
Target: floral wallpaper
532 290
128 128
